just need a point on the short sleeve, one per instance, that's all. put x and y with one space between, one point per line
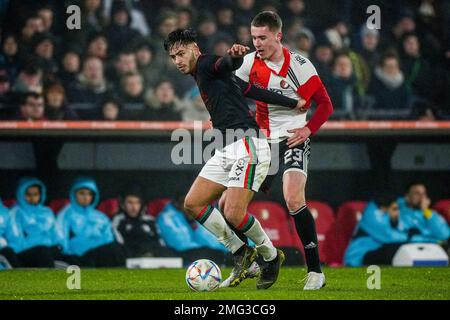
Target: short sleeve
244 71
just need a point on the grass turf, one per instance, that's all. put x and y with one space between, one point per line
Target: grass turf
342 283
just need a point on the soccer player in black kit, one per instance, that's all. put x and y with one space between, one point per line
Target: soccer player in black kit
240 165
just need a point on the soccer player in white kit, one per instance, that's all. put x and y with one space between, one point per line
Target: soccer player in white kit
274 67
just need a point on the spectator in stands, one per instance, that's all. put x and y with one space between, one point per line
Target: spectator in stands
293 28
70 66
388 85
31 107
185 17
133 95
405 24
98 46
421 81
33 25
295 10
29 79
164 105
44 50
225 20
86 232
9 56
47 15
91 85
416 216
341 88
8 258
119 31
184 235
338 34
136 230
147 66
92 19
244 36
194 107
208 32
125 63
222 45
244 11
323 59
377 236
32 233
304 42
166 22
6 97
111 110
56 107
370 39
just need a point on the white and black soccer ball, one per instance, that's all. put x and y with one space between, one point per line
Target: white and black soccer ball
203 275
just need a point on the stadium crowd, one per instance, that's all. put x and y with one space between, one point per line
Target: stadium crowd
115 67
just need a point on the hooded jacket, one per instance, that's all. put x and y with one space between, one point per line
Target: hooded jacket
30 225
375 229
178 233
432 229
4 222
81 228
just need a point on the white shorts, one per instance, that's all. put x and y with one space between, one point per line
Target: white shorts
243 164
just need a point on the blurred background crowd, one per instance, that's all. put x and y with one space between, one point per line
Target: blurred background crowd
115 67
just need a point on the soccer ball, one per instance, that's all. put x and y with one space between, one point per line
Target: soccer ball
203 275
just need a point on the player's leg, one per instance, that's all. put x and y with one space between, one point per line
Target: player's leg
246 176
235 210
294 183
197 204
253 271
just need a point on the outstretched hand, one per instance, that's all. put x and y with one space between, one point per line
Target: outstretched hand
238 51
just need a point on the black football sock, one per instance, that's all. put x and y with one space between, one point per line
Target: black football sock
306 230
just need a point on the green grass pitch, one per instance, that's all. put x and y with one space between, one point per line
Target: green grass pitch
342 283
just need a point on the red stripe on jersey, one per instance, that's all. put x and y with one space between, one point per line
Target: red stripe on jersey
287 62
307 90
259 77
284 68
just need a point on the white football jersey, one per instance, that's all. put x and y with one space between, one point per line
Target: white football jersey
295 78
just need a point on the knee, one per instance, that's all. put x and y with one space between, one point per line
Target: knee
190 206
294 203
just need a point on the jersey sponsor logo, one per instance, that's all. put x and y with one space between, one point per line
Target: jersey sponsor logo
300 60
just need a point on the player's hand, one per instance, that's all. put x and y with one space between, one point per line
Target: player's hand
238 51
301 106
299 136
425 203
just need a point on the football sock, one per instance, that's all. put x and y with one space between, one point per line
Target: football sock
306 230
253 230
241 235
213 221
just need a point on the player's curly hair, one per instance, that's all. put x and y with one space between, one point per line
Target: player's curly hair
180 37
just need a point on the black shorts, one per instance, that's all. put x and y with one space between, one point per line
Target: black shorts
289 159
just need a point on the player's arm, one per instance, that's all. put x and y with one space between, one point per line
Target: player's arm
231 61
266 96
323 111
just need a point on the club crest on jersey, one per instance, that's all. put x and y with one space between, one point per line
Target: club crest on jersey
284 84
